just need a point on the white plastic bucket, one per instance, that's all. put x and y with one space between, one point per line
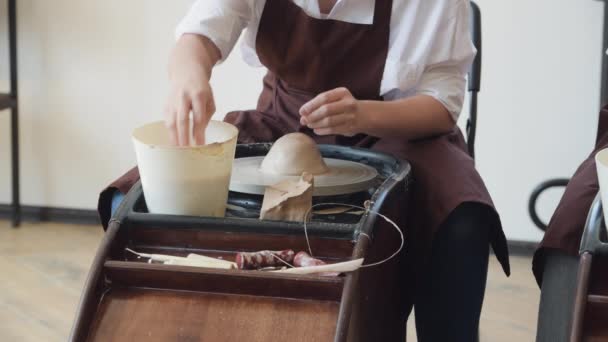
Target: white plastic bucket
185 180
601 163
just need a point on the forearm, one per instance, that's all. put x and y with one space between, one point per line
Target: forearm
193 54
415 117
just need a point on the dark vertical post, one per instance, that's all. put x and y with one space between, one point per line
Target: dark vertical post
580 299
474 77
12 23
472 124
604 94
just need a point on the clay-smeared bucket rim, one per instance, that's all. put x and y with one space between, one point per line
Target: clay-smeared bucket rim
156 135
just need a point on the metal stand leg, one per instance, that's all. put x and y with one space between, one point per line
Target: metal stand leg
12 23
15 163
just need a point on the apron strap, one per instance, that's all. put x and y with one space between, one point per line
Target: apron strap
382 12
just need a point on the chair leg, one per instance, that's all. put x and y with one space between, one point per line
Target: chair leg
580 304
15 166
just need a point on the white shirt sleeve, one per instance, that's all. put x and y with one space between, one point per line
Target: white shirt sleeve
451 55
222 21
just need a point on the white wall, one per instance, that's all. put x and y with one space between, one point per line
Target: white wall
93 70
540 99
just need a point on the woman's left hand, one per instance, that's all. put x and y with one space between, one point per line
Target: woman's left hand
335 112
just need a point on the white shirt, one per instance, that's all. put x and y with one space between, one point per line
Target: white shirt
430 48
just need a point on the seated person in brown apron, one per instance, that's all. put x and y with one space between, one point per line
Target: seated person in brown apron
386 75
555 263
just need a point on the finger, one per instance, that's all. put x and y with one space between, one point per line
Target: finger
323 98
211 103
344 129
210 110
332 121
200 119
183 122
170 123
341 107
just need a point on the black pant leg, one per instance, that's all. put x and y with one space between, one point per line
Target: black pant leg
448 304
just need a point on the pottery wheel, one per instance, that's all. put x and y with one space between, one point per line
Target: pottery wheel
343 177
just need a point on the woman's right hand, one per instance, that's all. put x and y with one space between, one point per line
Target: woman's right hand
190 70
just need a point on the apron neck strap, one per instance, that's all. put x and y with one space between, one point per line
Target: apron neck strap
382 11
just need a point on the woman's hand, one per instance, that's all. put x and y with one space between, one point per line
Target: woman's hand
189 95
334 112
338 112
190 69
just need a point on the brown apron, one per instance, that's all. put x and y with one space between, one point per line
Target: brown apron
306 56
566 227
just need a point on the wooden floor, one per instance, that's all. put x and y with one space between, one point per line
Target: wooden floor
43 268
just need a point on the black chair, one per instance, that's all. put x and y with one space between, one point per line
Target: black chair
474 82
591 295
474 78
10 101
